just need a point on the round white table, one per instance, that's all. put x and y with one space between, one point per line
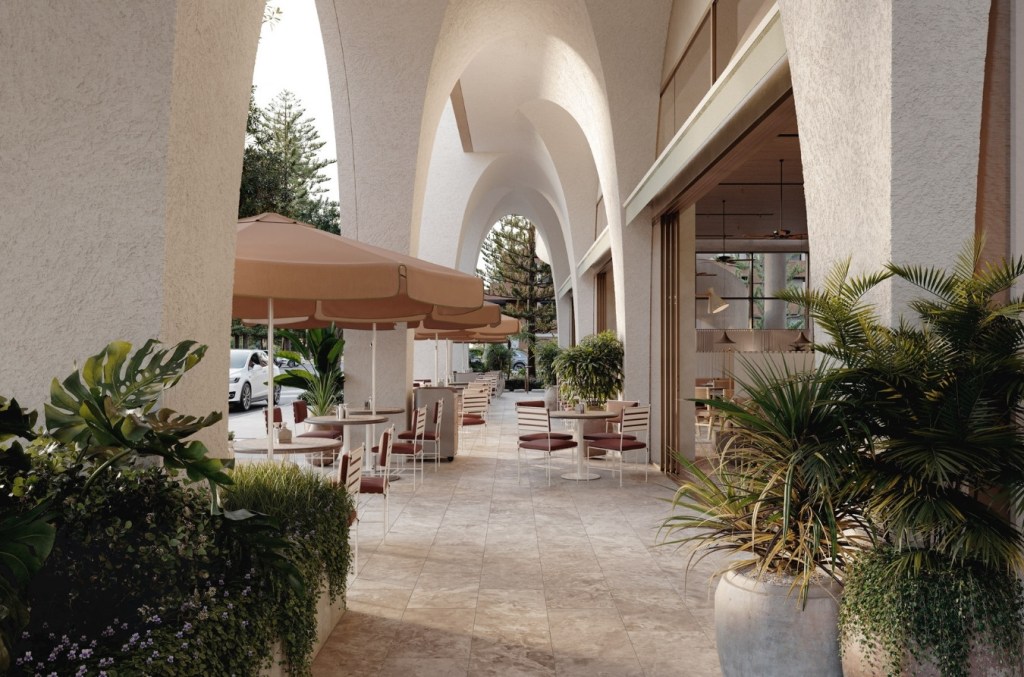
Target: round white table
341 423
304 445
581 473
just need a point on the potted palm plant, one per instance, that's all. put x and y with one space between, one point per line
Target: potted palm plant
779 505
546 353
941 397
323 384
591 371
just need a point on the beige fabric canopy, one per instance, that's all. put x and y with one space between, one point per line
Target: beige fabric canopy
494 334
288 269
298 266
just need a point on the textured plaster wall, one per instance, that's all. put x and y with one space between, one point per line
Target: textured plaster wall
120 156
378 62
888 99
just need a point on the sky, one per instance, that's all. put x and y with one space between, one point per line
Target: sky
291 56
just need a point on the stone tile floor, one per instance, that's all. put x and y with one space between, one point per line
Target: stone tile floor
481 575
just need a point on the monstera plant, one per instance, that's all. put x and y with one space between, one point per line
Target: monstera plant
101 417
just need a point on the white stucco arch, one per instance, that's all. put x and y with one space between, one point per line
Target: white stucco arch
556 46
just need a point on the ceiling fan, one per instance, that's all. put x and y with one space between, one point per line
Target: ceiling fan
780 233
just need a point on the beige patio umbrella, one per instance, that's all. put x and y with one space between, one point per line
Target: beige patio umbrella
289 269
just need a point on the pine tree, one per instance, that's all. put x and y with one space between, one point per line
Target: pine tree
513 270
281 171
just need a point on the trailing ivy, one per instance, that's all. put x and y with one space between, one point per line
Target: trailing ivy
935 614
314 515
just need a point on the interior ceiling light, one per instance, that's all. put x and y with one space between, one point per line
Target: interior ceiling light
715 302
723 257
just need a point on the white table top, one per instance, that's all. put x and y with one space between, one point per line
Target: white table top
572 413
335 422
305 445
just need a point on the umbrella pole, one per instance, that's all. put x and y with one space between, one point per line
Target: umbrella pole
373 370
270 378
436 382
447 360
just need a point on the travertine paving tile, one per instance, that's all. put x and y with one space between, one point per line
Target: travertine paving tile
481 575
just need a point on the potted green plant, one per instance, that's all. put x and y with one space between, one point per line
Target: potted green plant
941 397
591 371
779 501
323 385
546 353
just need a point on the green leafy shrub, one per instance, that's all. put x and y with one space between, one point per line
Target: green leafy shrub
314 515
498 357
546 353
782 496
127 569
325 385
934 614
591 371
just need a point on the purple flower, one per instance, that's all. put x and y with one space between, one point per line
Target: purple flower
81 671
86 653
187 627
106 662
170 659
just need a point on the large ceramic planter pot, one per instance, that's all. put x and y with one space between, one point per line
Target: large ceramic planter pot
761 630
551 397
859 661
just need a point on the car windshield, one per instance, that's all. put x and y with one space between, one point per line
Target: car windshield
239 358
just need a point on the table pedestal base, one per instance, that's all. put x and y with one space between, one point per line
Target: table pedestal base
581 476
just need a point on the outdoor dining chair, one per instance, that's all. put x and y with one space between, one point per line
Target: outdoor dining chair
412 450
381 483
635 424
534 427
433 436
349 476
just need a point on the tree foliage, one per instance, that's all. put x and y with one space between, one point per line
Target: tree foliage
281 171
513 270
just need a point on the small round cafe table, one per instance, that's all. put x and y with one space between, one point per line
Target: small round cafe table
581 473
303 445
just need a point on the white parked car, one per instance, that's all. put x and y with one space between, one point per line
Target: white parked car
247 379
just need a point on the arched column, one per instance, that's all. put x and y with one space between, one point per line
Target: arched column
122 138
888 99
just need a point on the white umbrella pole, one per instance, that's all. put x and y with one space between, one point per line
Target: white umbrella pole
436 382
373 370
447 360
270 378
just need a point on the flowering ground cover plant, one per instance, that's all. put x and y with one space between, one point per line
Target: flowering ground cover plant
116 567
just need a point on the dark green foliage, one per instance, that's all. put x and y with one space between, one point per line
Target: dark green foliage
592 370
280 169
940 395
314 515
512 269
127 569
783 494
545 354
935 614
498 357
323 348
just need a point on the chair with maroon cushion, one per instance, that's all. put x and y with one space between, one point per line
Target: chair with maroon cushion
380 484
350 474
300 412
432 436
278 418
635 423
535 423
611 426
412 450
532 437
474 407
